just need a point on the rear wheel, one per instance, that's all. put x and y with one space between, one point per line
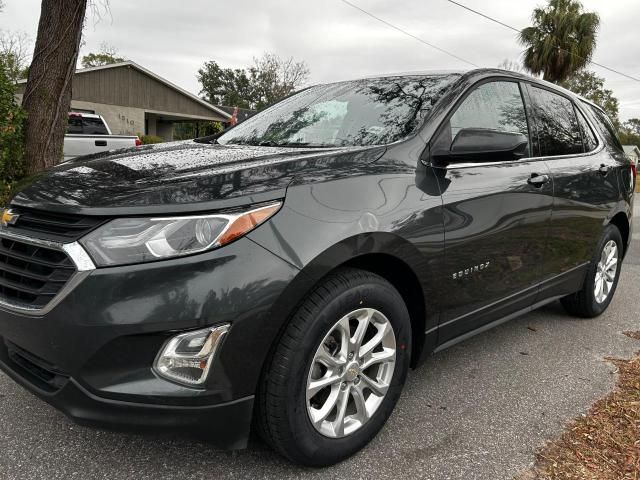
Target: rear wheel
601 279
337 372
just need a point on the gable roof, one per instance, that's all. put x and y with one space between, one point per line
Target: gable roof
139 68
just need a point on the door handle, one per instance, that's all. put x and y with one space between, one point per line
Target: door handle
604 170
537 180
101 143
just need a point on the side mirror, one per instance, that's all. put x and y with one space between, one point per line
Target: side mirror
483 145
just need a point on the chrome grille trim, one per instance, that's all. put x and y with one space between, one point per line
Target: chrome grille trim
78 255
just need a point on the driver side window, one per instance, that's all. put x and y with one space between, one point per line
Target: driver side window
494 106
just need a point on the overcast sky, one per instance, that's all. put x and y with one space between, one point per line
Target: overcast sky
174 38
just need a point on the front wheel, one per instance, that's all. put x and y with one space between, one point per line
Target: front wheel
601 279
337 371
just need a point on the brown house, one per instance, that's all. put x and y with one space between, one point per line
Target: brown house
135 101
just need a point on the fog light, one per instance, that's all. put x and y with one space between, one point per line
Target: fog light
187 357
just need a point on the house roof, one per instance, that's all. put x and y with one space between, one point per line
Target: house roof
134 65
632 150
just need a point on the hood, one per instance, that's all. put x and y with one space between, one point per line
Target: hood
181 176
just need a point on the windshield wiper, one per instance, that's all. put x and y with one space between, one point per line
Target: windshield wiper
271 143
211 139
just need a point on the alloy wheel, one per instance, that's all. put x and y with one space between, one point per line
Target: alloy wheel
351 372
606 271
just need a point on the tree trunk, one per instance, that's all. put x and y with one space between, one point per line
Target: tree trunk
47 95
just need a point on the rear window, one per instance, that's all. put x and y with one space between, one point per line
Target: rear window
93 126
86 126
588 137
74 125
606 127
558 128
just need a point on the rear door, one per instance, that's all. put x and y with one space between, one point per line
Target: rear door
586 188
496 216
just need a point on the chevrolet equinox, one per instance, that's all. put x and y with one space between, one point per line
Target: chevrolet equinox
285 275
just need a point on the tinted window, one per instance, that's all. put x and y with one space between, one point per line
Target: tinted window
606 128
558 128
74 125
494 106
94 126
364 112
588 137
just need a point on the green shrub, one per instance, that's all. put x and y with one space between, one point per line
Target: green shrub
188 130
149 139
12 119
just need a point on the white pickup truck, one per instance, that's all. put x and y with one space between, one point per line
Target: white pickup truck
89 133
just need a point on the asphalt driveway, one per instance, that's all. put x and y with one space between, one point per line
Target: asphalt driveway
476 411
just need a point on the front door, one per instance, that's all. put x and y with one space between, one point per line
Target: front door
496 217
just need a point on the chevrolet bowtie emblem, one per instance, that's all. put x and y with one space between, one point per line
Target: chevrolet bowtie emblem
8 217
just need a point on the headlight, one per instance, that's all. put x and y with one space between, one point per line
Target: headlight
135 240
187 357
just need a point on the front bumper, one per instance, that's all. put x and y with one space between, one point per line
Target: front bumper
225 425
91 356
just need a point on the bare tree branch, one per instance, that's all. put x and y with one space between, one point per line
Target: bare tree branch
107 55
15 50
268 80
512 66
98 9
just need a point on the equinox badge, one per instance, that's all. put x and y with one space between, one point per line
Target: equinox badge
468 271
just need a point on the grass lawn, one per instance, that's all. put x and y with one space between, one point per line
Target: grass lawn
605 443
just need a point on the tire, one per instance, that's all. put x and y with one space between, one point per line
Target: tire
284 408
585 303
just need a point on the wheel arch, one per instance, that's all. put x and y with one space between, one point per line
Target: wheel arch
404 279
384 254
621 221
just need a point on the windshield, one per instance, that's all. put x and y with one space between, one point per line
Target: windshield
356 113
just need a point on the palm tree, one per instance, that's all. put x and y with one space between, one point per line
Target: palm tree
561 40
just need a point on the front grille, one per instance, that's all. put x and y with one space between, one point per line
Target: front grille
52 226
30 275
